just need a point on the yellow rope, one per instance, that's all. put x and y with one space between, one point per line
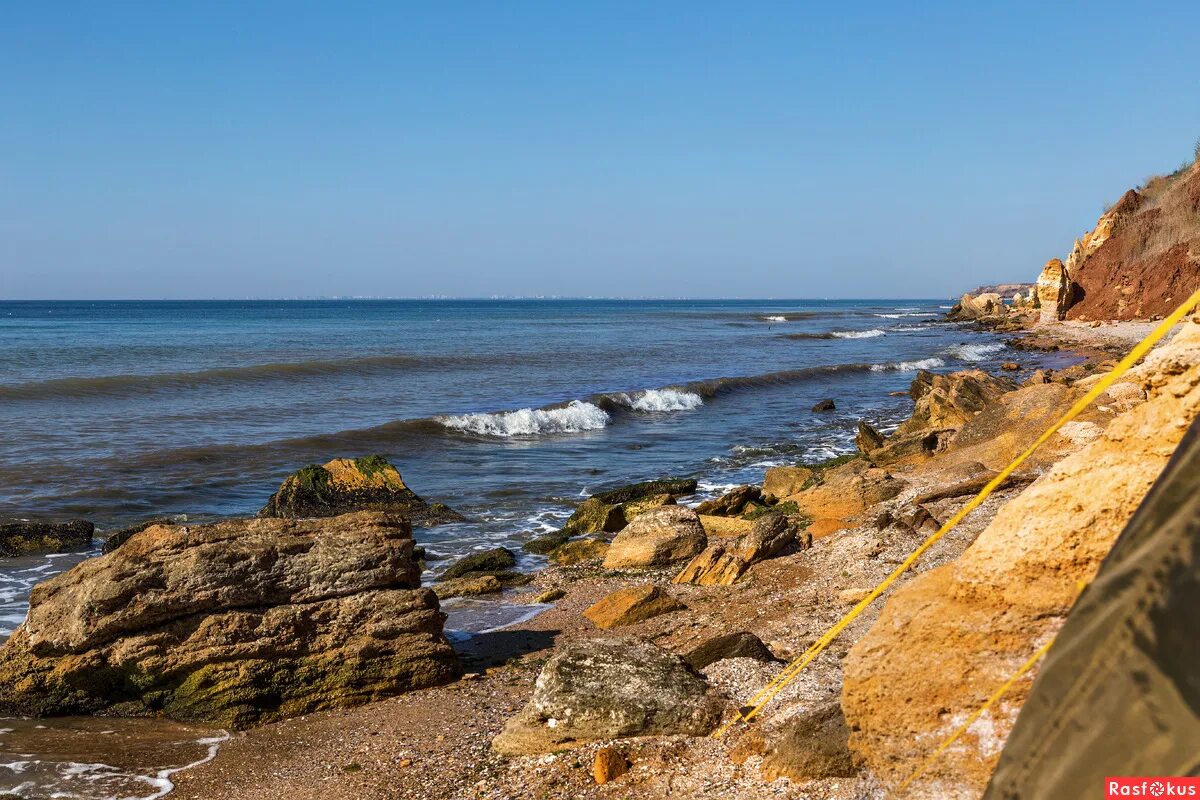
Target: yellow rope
792 670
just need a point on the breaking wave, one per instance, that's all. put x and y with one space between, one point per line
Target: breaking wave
974 352
910 366
871 334
575 417
835 335
656 400
908 314
774 318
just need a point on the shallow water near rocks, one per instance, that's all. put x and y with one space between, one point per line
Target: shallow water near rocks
93 757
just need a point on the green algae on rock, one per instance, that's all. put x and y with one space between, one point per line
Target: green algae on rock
21 537
344 485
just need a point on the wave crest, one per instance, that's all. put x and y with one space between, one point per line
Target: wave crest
657 400
910 366
871 334
575 417
974 352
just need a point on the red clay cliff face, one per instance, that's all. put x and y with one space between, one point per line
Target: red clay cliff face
1143 257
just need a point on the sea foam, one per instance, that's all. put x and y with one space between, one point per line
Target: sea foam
871 334
910 366
574 417
652 400
974 352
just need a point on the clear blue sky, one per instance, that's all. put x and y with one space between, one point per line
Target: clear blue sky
607 149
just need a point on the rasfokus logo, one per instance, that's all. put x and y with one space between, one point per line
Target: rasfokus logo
1157 786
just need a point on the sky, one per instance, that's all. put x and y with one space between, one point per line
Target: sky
608 149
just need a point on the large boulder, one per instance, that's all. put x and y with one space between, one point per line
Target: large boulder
973 307
942 404
233 623
597 689
810 745
846 491
784 481
1121 675
353 484
657 538
725 561
1053 291
21 537
949 637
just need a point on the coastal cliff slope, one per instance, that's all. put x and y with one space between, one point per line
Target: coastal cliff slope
966 626
1143 257
1123 668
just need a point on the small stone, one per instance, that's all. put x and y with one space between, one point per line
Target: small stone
824 405
610 764
852 596
1010 366
550 595
632 605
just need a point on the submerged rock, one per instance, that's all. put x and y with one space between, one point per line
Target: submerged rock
631 606
657 538
596 689
825 405
235 623
353 484
22 537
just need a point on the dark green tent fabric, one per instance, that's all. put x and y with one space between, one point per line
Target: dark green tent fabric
1119 692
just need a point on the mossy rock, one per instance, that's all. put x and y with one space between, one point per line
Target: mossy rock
345 485
488 562
580 551
596 516
22 537
676 487
546 543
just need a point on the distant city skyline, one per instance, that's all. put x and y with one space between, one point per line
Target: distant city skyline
623 150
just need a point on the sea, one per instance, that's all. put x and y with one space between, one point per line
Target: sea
509 411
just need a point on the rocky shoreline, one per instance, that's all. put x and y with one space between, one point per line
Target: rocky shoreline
308 631
495 734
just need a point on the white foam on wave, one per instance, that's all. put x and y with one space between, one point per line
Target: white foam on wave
776 318
975 352
871 334
910 366
908 314
574 417
652 400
